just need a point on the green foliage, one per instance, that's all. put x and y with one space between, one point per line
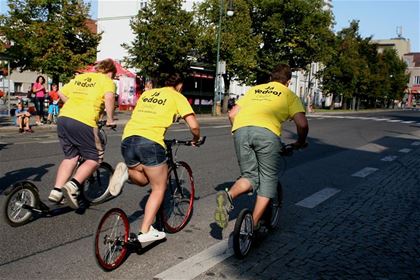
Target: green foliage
296 32
355 70
164 37
49 36
238 44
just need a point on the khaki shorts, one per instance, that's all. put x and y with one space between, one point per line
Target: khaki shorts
257 150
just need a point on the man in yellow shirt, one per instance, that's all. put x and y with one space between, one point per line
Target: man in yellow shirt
256 122
143 147
84 99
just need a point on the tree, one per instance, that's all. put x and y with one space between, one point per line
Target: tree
238 44
164 38
49 36
296 32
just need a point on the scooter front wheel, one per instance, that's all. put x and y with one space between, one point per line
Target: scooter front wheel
111 239
19 202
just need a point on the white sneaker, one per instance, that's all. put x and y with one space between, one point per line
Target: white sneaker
118 179
55 195
152 235
71 192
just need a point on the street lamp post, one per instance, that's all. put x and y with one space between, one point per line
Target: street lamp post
218 76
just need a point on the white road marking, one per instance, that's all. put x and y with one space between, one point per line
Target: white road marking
372 147
408 122
318 197
405 151
49 141
203 261
417 143
389 158
365 172
393 121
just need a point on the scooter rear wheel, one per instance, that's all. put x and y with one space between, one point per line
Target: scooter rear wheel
17 210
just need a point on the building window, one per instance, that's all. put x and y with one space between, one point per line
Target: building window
416 80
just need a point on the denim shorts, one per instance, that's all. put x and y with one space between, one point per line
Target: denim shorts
258 152
139 150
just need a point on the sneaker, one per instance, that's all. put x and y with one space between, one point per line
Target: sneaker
71 192
56 195
20 130
224 206
118 179
152 235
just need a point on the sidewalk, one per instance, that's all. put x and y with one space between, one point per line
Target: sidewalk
7 124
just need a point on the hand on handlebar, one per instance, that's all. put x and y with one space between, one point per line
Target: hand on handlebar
298 145
200 141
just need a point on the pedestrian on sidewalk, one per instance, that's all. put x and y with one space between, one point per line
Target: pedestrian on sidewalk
22 117
39 90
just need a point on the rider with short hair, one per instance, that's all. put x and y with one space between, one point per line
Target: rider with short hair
84 97
256 122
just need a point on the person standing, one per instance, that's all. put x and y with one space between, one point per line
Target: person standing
84 97
39 90
256 122
53 108
143 147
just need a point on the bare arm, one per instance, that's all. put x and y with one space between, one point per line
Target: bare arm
233 112
109 107
302 129
62 97
192 122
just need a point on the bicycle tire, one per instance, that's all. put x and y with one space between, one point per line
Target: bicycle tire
23 193
273 211
96 188
243 234
111 239
177 206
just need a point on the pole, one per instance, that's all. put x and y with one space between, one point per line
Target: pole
8 94
216 77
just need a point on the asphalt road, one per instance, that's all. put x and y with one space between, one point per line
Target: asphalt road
61 247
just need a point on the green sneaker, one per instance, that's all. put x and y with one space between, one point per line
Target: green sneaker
224 206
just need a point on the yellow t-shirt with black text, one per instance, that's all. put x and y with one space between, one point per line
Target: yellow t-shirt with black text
155 112
267 105
85 94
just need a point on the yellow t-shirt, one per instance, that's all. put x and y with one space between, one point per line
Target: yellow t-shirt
155 112
267 105
85 95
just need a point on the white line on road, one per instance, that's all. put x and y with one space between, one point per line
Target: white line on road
405 151
318 197
365 172
417 143
203 261
389 158
372 147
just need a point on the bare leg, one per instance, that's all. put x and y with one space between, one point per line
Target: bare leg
157 176
26 122
137 175
19 121
241 186
259 208
65 170
85 170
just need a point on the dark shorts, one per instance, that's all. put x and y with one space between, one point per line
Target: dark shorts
139 150
79 139
258 152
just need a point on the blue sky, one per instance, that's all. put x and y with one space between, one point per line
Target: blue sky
378 18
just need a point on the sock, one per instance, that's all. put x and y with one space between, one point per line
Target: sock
57 189
79 186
